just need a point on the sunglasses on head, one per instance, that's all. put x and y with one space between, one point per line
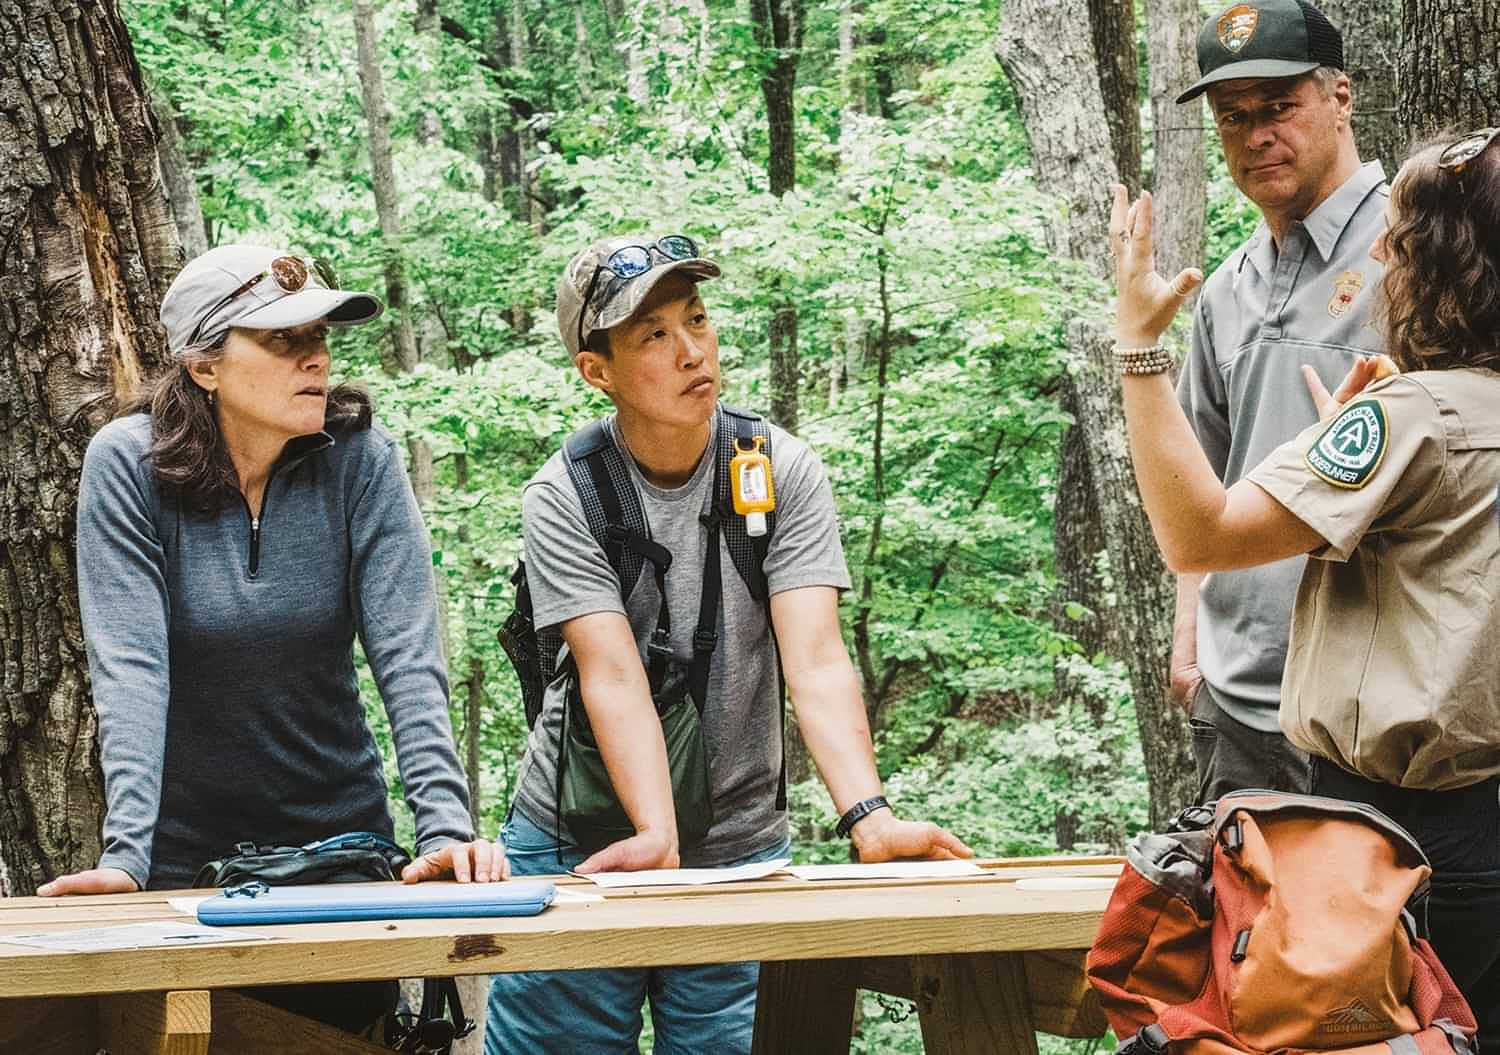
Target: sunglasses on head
290 274
1457 155
631 261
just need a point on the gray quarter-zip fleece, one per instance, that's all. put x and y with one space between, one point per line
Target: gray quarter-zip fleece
222 655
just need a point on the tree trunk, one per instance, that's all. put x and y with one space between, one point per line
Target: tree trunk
1146 591
1372 41
383 177
778 29
1039 42
1178 179
1113 25
844 370
177 176
530 209
89 247
1450 76
1041 45
640 50
583 57
426 25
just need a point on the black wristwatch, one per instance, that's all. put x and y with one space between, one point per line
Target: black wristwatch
858 812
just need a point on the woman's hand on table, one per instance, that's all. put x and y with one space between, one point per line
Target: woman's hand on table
480 861
1146 301
92 881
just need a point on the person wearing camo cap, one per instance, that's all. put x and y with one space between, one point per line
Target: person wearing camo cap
238 528
1298 293
631 315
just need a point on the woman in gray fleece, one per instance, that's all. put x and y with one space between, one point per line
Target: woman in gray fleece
232 540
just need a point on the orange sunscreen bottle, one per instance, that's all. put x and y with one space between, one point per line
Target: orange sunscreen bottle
750 484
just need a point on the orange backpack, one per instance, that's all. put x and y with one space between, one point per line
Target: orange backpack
1276 923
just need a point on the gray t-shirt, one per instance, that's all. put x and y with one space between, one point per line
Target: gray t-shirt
1263 313
570 576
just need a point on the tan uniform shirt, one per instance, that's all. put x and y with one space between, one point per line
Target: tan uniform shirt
1394 666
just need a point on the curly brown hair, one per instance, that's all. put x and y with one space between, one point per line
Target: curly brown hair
189 457
1441 290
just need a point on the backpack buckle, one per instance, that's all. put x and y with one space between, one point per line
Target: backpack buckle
660 645
705 640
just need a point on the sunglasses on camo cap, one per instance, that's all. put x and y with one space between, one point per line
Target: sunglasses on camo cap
632 261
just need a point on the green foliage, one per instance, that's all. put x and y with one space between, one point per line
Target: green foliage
914 236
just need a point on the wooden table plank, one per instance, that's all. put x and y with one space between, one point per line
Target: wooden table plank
973 1005
800 923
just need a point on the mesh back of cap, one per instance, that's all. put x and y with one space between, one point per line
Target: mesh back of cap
1325 44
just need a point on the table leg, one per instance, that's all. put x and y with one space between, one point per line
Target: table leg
244 1026
155 1023
805 1006
973 1003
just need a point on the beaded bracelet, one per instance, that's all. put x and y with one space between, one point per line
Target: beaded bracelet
1153 360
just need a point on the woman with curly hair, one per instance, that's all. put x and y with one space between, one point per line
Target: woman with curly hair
236 533
1392 676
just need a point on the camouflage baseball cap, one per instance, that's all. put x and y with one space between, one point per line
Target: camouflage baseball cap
605 284
1264 39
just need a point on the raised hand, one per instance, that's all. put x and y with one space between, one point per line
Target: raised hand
1146 302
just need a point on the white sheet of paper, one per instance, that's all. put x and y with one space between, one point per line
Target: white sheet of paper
1066 883
132 936
566 894
889 870
688 876
186 905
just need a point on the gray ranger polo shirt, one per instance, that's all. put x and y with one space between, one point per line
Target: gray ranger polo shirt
1262 314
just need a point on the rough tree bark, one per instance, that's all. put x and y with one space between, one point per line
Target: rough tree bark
1450 65
844 371
1372 42
1040 43
1113 26
778 32
383 177
1178 179
87 247
640 49
177 176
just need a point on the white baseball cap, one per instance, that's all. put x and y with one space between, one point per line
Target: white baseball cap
257 288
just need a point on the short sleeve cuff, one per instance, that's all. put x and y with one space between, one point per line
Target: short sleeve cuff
1297 492
797 578
575 607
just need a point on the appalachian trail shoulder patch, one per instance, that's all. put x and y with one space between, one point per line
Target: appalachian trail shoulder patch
1351 448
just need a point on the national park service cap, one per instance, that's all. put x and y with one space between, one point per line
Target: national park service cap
1265 39
255 287
605 284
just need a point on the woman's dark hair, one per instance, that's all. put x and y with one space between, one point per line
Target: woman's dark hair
1441 290
188 455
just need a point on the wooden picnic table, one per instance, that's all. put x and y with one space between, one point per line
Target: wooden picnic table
985 962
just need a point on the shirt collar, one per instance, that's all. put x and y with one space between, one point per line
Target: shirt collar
1324 224
1327 222
299 447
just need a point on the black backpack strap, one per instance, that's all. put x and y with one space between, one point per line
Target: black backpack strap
738 429
602 480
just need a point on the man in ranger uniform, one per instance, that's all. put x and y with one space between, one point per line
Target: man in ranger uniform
1296 296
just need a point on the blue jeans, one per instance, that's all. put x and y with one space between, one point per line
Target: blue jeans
598 1012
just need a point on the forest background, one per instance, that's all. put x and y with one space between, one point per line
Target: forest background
908 199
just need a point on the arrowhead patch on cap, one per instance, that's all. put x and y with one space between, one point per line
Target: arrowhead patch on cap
1237 26
1351 448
